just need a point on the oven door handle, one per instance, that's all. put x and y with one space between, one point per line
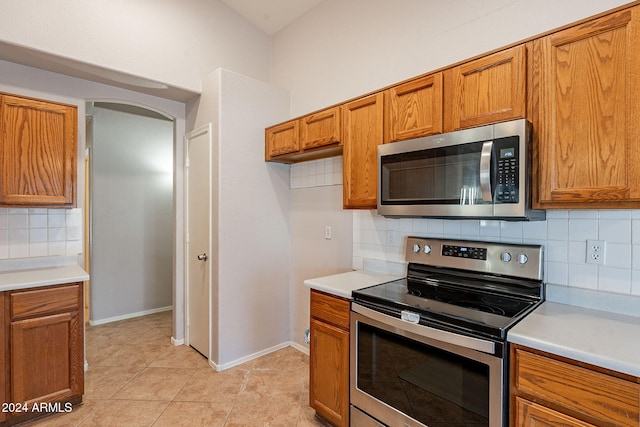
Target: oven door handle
472 343
485 171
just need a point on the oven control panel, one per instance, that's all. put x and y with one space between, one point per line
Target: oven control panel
464 252
496 258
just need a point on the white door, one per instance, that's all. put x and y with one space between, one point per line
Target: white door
198 238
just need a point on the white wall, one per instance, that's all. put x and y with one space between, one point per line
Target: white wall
342 49
251 280
174 42
132 214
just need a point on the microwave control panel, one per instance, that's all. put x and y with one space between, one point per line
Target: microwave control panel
508 169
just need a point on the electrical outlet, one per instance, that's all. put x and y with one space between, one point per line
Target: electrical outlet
596 252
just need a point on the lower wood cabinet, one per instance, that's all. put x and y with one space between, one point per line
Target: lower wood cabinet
548 390
532 415
44 369
329 358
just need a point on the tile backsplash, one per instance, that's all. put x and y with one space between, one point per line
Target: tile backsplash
563 235
316 173
28 233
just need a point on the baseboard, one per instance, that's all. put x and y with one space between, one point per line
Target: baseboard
129 316
253 356
177 342
301 348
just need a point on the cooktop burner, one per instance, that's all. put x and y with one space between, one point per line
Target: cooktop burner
453 291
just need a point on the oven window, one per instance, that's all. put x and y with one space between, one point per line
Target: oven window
448 175
432 386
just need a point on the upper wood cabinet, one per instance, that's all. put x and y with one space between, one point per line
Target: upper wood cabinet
362 133
587 83
486 90
282 139
38 152
313 136
321 129
413 109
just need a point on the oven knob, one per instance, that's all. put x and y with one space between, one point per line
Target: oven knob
427 249
505 257
416 248
522 259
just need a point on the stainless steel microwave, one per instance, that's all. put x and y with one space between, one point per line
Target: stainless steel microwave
483 172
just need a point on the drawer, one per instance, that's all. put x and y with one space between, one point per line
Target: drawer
581 392
331 309
43 301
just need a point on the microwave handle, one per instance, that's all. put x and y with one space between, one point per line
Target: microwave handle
485 171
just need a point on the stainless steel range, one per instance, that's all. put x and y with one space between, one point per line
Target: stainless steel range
430 349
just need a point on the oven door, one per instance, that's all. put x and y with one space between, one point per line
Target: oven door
406 374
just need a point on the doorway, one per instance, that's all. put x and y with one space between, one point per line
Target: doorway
130 213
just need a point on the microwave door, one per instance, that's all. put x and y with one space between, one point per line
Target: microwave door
440 181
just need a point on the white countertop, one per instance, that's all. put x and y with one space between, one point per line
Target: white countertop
343 283
604 339
41 276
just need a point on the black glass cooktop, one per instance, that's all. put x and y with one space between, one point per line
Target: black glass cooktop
486 311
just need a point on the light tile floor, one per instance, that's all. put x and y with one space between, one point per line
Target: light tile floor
136 377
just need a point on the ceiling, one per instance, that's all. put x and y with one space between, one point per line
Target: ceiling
268 15
271 15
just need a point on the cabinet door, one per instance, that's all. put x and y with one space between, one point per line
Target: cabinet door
362 134
321 129
587 126
282 139
486 90
413 109
529 414
329 372
38 154
47 358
